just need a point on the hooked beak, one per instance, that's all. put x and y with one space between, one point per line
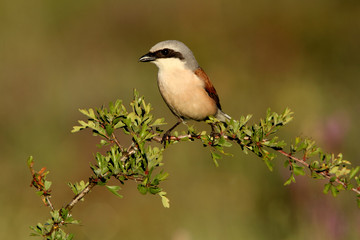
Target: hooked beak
147 57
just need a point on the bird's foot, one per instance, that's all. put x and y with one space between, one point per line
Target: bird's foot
214 135
166 138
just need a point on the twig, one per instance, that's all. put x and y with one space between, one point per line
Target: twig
49 203
37 178
117 142
324 174
178 138
93 181
78 197
301 161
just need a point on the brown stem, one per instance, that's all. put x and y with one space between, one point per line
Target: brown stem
324 174
93 181
114 139
300 161
49 203
78 197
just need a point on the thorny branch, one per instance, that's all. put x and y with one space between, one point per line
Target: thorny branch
324 174
303 162
38 183
93 181
81 195
133 163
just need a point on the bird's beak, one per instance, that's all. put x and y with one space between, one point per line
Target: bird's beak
147 57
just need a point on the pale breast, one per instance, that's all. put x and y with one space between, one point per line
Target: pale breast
184 93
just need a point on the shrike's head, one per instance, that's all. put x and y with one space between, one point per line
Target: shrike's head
169 53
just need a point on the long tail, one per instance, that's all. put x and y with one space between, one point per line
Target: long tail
222 116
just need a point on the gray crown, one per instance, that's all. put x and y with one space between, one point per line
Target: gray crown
180 47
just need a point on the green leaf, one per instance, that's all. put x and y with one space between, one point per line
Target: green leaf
290 180
342 172
158 122
77 129
269 164
165 201
78 187
298 170
154 190
248 132
354 171
332 179
30 161
226 144
142 189
90 113
286 163
56 216
215 156
40 193
357 179
327 188
114 190
102 143
340 187
334 190
120 124
47 185
333 170
109 129
162 176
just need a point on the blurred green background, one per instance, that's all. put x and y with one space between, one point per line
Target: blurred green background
58 56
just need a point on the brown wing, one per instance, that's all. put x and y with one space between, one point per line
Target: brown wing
209 87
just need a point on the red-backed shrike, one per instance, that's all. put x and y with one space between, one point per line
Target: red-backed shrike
184 86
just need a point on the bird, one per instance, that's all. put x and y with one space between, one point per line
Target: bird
183 84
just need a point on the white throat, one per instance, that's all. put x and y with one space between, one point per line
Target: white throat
168 64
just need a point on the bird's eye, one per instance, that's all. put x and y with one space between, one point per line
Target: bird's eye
165 52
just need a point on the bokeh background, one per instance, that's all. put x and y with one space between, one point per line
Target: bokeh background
58 56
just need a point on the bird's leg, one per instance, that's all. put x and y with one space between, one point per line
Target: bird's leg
213 133
166 135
